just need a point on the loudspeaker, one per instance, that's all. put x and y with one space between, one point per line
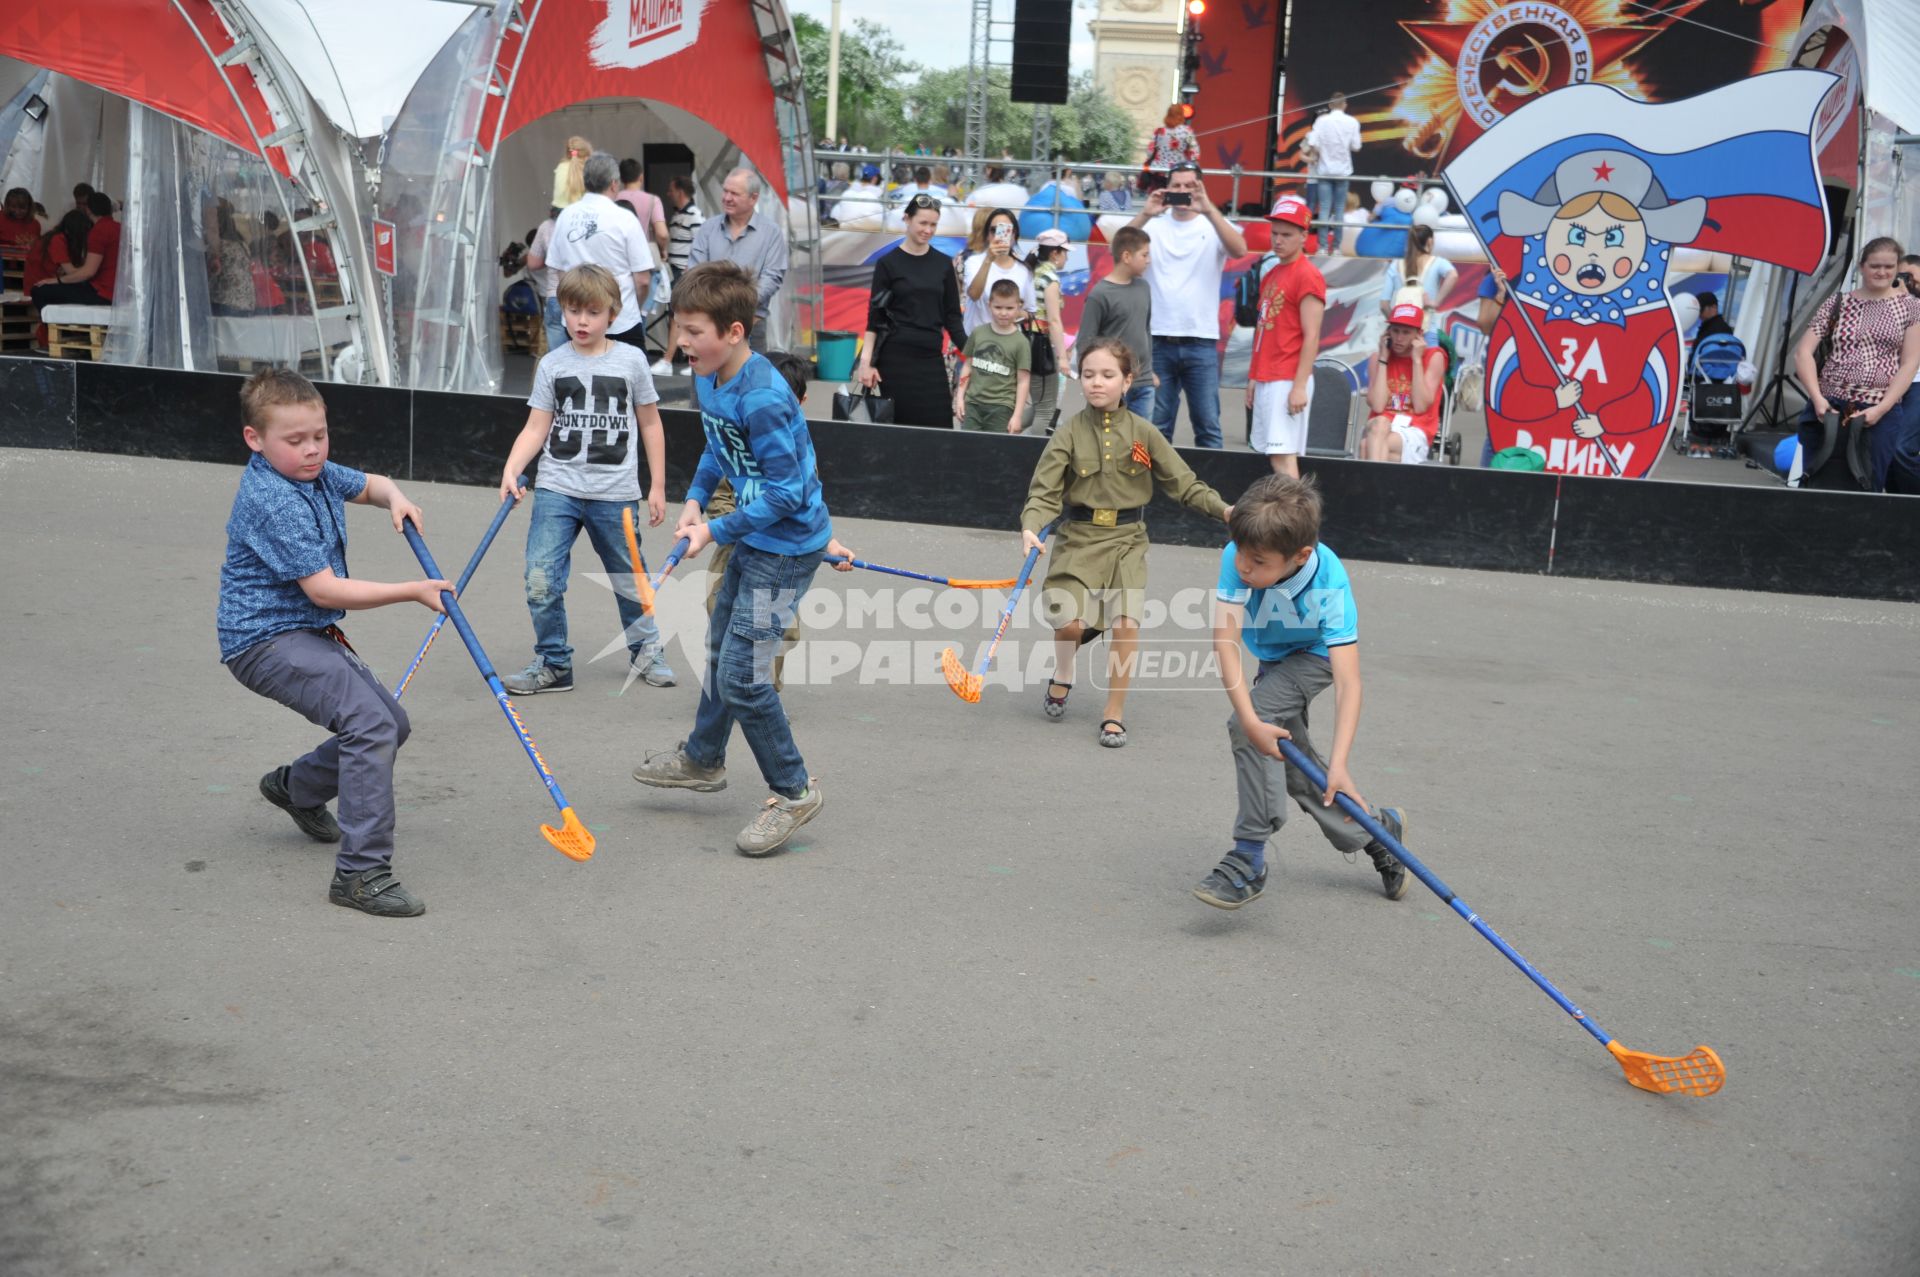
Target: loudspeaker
1042 34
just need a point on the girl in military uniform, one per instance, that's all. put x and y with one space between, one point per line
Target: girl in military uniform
1096 476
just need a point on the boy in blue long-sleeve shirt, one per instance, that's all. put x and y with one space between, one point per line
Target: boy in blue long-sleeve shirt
779 529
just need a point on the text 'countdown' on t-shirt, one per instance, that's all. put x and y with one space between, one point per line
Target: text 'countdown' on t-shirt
593 447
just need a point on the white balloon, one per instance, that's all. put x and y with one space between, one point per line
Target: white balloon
1405 200
1686 310
1426 215
1435 198
1746 373
1382 191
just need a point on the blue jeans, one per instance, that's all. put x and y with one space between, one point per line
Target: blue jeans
1328 195
759 598
1903 472
1195 366
551 531
556 323
1140 398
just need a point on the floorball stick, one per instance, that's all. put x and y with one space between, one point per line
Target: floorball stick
460 586
572 839
956 582
674 556
967 685
641 585
1698 1073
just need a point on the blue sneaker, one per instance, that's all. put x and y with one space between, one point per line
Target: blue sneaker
1232 883
536 678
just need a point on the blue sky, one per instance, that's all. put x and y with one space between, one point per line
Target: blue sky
937 35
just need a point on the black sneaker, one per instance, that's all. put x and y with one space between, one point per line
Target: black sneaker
1393 874
375 891
1232 883
316 823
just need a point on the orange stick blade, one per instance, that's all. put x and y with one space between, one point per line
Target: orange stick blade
640 583
967 583
1698 1073
572 840
965 683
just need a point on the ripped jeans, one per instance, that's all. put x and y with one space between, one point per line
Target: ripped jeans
758 599
552 529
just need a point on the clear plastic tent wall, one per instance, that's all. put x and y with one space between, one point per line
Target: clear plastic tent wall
211 274
433 190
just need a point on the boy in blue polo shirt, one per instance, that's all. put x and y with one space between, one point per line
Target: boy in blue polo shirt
779 529
1287 596
283 587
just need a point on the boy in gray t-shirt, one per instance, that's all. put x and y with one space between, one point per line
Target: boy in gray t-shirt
1121 306
591 398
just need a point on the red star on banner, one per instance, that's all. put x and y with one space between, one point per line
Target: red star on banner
1603 171
1446 41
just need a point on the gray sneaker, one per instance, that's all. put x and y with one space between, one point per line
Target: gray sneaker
650 666
779 820
538 677
672 769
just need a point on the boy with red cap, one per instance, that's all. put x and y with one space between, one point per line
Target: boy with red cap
1286 340
1403 404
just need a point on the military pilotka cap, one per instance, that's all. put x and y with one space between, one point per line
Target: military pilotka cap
1625 175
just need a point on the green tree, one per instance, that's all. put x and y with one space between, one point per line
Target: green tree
1090 127
874 73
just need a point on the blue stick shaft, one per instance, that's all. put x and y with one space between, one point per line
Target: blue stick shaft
881 567
459 587
1006 614
479 655
1313 773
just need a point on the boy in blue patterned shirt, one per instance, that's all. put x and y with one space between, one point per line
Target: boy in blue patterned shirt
1287 596
283 587
779 529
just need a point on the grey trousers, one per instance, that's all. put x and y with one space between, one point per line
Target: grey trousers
1281 693
329 686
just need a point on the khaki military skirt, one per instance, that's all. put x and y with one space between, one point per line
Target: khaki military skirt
1095 575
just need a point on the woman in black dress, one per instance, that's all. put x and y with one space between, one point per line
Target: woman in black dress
915 298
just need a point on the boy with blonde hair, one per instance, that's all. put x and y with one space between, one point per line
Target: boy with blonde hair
590 399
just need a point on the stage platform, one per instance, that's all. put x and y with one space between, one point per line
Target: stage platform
973 1021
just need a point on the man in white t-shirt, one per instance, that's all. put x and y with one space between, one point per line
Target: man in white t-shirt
1192 244
596 231
1335 138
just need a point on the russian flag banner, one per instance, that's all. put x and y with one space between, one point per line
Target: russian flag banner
1746 149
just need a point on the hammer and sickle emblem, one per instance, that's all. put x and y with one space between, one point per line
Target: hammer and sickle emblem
1530 83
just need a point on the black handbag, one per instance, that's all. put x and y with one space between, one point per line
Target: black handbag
1040 344
863 405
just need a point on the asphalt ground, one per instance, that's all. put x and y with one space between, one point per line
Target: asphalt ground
973 1021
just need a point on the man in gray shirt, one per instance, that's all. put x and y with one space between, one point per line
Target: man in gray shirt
747 239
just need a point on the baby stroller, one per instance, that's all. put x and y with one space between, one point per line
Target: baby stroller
1714 389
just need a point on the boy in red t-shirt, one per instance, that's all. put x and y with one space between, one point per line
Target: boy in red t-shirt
1404 409
1286 341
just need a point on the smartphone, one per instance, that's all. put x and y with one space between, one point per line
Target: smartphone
1178 199
1002 233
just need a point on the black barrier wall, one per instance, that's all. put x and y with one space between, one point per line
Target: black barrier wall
1834 543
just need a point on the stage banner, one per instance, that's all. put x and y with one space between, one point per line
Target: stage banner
702 56
1582 196
1239 80
1426 77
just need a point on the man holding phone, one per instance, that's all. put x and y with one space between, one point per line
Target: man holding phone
1192 244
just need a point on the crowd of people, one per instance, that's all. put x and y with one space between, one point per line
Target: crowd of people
996 307
73 260
603 215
